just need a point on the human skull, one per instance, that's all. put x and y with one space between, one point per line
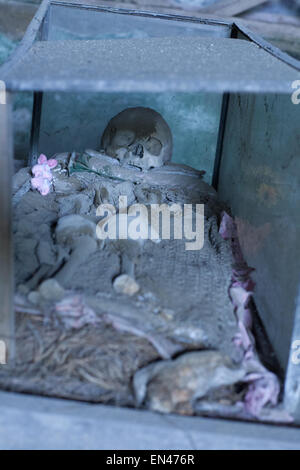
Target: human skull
138 137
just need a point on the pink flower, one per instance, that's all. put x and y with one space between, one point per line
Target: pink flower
42 174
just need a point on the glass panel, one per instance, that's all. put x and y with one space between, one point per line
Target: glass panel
77 23
22 116
77 121
260 180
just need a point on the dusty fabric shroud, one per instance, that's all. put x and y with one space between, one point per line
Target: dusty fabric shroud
182 306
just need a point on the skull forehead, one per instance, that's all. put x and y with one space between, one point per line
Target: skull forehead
139 124
141 121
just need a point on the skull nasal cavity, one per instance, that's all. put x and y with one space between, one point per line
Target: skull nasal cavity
140 132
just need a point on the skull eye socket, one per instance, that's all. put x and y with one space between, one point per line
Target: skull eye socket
153 146
123 138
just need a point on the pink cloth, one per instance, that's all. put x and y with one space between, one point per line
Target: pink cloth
263 388
75 313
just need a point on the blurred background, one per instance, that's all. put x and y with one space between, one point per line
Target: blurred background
278 21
